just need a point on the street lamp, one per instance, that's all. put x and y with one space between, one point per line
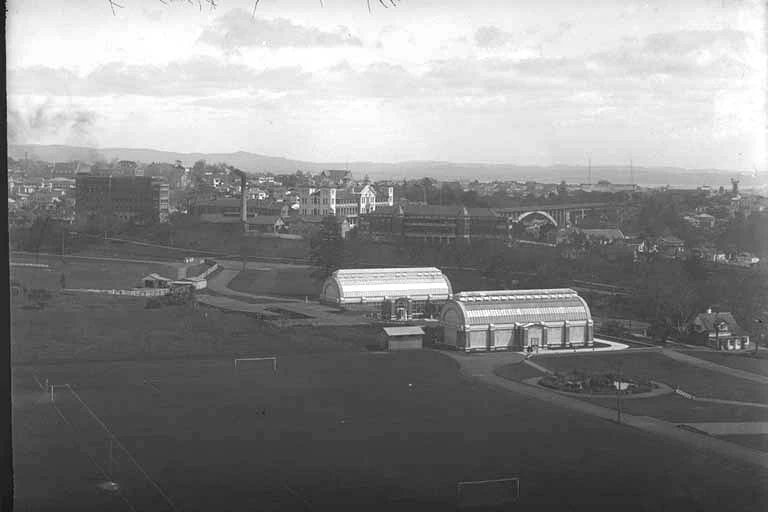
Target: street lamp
760 334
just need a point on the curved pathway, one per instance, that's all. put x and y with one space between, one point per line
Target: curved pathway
708 365
481 367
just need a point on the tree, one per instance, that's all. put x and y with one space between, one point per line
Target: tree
327 249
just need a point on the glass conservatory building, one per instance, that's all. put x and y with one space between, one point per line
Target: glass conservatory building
396 293
517 320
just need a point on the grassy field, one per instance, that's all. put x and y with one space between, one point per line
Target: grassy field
742 361
398 447
671 408
84 273
758 442
82 327
336 427
288 282
698 381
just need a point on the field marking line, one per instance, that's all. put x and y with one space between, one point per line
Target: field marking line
497 480
296 494
122 447
101 470
149 383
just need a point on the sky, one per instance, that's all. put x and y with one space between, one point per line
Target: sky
529 82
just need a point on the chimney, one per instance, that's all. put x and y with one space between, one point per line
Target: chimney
244 201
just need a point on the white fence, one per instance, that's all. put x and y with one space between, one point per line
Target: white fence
135 292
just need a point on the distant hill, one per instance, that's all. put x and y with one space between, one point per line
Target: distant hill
252 162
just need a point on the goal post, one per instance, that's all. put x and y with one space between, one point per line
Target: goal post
487 493
243 360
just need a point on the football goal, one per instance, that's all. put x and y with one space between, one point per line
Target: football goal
487 493
242 363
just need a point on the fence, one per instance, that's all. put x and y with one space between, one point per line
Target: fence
136 292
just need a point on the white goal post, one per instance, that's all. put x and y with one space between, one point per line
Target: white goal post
269 358
487 493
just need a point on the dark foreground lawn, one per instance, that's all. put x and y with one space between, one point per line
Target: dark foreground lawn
341 431
288 282
655 366
88 327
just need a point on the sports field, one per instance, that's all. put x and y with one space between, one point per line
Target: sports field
340 431
87 327
84 273
335 428
284 281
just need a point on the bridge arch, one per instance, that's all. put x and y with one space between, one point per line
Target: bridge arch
538 212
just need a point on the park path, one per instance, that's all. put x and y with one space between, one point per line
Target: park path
481 367
228 298
735 428
708 365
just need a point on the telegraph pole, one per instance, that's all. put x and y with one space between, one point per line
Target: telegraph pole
618 399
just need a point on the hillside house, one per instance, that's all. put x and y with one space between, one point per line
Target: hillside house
718 331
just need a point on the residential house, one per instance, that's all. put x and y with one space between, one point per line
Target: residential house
701 220
606 235
266 224
718 331
670 246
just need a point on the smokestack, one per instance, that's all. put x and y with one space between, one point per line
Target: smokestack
244 203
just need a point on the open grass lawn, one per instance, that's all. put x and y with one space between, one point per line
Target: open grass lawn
742 361
757 441
518 372
213 439
676 409
694 380
288 282
86 327
84 274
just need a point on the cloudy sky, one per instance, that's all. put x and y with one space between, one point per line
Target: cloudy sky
679 83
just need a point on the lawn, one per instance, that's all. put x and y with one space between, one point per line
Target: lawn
742 360
288 282
399 447
84 273
655 366
79 326
757 441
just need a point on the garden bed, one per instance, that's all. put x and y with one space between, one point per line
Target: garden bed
598 383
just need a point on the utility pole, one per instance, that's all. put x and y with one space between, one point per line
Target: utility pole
618 399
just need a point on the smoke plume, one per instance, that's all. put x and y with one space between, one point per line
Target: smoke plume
47 123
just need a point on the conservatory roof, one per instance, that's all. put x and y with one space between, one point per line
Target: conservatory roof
380 283
522 306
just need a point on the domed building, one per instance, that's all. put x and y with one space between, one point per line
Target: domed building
516 320
397 293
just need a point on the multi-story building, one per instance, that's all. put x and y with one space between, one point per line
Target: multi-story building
213 211
141 199
346 203
438 223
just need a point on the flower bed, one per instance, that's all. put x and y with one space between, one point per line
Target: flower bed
596 383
